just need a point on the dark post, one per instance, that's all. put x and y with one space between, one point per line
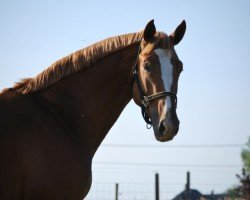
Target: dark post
187 190
212 195
116 191
157 188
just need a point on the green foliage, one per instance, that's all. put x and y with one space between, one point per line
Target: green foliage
233 193
245 155
236 191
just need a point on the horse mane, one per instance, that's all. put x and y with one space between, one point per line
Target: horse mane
77 61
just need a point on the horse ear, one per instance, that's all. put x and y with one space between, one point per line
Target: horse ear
178 34
149 31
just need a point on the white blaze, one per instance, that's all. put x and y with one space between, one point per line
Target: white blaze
166 73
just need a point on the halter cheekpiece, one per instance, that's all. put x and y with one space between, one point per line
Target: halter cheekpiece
146 99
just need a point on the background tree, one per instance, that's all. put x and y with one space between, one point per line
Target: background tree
234 192
243 189
245 155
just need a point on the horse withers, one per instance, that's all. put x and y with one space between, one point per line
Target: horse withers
51 125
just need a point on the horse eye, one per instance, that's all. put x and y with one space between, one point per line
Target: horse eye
147 68
181 68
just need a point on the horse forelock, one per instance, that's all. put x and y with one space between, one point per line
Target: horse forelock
79 60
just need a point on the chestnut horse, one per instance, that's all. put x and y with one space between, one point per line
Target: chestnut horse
52 125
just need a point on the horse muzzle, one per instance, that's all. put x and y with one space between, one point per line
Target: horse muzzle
166 129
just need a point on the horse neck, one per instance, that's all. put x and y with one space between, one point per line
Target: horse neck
96 96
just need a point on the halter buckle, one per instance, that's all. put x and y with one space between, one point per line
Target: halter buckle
145 101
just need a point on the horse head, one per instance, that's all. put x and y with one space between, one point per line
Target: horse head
156 77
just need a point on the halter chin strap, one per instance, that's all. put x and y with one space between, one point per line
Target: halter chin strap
145 100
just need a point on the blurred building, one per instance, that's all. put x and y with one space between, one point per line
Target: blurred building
196 195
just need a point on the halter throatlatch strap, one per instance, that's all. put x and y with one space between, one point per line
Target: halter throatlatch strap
145 100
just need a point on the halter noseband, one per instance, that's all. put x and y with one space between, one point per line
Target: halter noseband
145 100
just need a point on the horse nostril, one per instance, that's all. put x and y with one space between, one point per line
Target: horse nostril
161 128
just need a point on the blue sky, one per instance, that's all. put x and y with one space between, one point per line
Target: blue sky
213 97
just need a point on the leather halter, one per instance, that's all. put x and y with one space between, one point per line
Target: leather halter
145 100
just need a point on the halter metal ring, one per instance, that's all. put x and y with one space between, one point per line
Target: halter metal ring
145 101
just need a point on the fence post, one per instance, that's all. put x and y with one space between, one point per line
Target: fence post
157 188
187 189
116 191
